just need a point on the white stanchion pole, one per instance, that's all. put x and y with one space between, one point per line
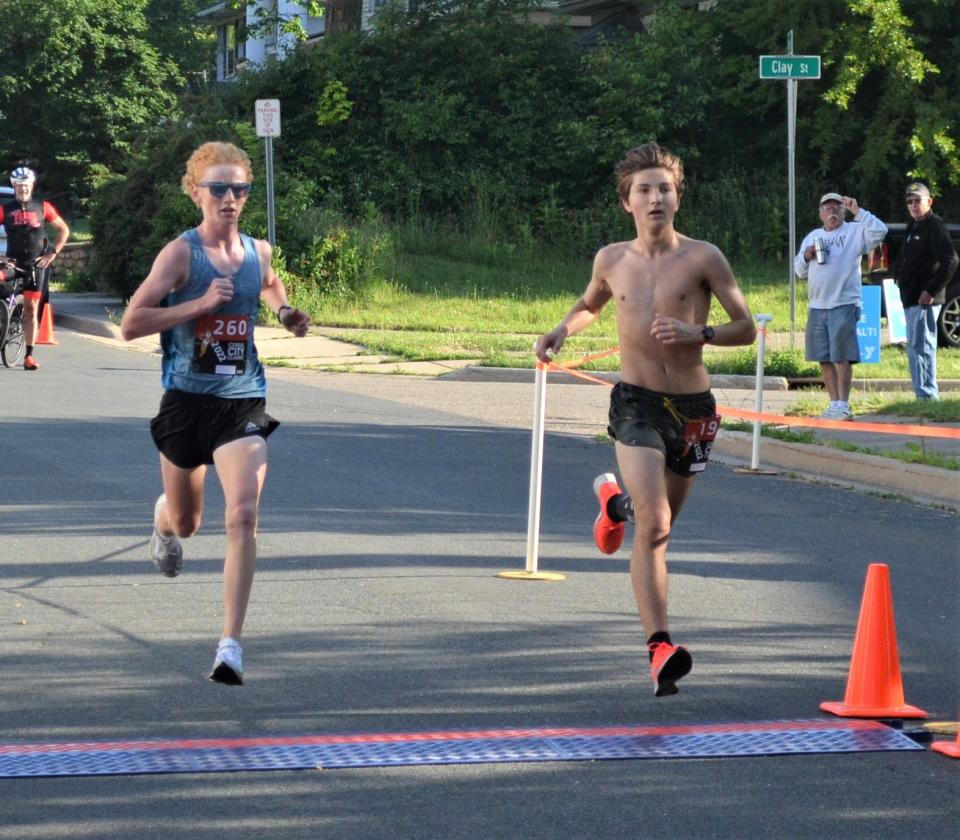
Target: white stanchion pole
762 321
536 467
536 480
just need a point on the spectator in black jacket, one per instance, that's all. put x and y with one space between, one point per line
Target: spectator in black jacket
924 267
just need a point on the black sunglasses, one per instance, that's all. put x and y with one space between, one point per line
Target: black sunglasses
913 201
218 189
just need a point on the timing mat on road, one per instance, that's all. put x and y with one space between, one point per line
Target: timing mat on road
475 746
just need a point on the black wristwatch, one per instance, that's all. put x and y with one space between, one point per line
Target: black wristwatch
707 333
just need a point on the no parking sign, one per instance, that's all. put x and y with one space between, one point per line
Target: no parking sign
267 117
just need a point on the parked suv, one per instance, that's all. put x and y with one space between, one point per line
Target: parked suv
880 264
6 193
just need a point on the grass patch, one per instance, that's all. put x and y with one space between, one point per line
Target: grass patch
946 410
457 296
775 432
80 230
912 453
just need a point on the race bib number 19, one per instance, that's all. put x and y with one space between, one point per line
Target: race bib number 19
220 345
701 429
699 435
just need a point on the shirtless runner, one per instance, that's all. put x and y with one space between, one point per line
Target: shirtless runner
662 413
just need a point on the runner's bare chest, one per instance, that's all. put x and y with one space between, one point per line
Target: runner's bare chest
643 287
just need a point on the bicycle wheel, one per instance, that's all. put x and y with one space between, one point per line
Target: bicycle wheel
14 343
4 323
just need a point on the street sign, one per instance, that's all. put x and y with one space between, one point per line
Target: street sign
789 66
267 113
791 69
268 117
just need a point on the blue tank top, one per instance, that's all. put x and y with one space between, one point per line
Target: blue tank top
215 354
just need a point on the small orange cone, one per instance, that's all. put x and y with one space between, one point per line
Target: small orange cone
46 326
874 686
945 747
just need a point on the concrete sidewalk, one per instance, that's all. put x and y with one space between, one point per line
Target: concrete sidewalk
98 316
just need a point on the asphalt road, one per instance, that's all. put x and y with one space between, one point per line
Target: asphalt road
386 515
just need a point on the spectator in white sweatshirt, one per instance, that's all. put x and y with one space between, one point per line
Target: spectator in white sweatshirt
829 258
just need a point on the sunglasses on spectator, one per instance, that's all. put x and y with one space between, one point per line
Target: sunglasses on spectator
913 201
218 189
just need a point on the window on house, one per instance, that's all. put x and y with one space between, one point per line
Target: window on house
272 36
233 46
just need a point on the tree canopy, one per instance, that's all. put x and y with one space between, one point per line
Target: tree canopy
469 109
79 77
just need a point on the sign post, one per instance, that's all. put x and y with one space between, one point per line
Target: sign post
268 126
790 68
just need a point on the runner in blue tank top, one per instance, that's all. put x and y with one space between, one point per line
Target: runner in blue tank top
202 295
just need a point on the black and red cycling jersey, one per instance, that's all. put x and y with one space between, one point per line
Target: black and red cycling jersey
24 226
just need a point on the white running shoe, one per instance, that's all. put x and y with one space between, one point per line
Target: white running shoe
832 413
844 413
166 552
228 665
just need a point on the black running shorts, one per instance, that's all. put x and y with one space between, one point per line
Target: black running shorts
190 427
639 417
34 280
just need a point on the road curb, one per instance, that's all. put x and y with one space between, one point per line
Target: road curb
928 485
91 326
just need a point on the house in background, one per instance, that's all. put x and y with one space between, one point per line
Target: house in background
236 47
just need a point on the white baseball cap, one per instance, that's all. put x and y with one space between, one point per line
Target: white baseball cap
830 197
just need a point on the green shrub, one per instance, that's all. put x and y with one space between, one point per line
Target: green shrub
345 261
788 363
133 214
333 263
136 212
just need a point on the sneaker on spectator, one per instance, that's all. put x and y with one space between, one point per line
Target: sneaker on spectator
228 665
844 413
669 664
832 413
166 552
607 534
30 363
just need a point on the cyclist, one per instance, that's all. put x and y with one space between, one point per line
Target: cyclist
23 219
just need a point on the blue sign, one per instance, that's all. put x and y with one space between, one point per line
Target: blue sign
896 319
868 330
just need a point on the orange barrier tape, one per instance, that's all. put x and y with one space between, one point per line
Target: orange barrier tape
912 429
577 362
578 374
907 429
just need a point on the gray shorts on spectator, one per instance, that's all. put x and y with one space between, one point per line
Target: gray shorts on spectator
832 334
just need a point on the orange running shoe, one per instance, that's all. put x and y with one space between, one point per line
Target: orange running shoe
607 534
30 363
669 664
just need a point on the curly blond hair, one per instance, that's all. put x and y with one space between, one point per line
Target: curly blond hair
647 156
213 154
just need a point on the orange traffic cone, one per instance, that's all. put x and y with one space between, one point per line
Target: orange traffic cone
945 747
46 326
874 686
